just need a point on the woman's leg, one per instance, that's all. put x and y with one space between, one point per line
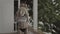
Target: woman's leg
26 31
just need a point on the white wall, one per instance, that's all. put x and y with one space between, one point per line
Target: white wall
6 16
0 18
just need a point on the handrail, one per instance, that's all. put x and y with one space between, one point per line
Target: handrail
34 31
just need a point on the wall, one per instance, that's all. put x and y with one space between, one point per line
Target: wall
6 16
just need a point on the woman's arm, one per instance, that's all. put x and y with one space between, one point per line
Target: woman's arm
27 15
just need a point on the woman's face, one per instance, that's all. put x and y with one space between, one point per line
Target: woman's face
23 10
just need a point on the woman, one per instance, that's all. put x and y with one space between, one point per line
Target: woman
22 17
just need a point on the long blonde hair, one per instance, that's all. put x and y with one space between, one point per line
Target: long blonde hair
23 10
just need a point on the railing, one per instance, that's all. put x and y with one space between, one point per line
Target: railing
31 29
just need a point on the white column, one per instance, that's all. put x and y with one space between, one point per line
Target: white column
19 4
35 12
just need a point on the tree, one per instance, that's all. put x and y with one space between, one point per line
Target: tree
49 11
